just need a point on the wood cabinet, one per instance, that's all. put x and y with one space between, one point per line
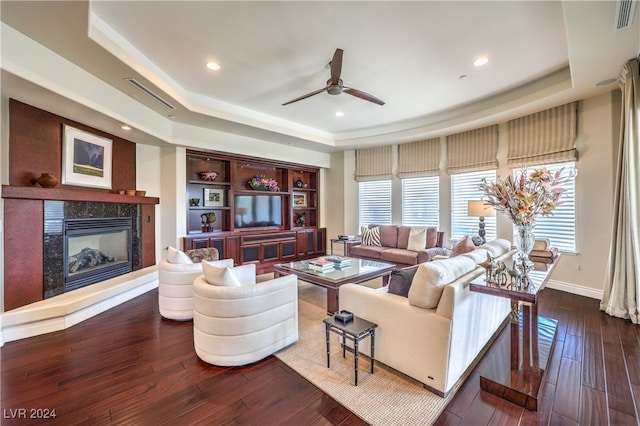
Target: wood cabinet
252 226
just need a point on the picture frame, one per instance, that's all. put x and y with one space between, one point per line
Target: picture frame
86 159
299 199
213 197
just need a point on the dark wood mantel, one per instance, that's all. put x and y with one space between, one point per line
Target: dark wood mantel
75 194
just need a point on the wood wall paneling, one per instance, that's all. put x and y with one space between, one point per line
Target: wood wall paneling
35 147
35 142
23 242
148 228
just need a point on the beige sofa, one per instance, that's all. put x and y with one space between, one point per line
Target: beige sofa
431 336
393 248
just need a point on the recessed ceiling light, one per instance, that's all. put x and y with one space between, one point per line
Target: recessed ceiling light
213 65
125 127
339 114
482 60
171 116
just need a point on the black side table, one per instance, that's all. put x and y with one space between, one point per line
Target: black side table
354 330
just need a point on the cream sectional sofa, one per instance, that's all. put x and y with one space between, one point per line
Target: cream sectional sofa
438 332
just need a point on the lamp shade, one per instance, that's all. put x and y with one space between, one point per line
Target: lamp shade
478 208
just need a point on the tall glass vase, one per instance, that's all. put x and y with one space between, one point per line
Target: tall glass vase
524 240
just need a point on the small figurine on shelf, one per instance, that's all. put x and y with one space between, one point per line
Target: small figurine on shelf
302 219
299 183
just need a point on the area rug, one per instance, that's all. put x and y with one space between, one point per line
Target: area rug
386 397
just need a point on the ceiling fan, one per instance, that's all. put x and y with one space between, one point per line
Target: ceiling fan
334 84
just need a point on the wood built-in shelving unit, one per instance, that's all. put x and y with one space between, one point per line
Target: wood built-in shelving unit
287 238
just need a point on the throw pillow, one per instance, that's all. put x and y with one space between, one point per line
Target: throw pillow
400 281
417 238
177 256
432 237
463 246
215 273
198 255
431 278
370 237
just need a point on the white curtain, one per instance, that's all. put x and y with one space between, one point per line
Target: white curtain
622 289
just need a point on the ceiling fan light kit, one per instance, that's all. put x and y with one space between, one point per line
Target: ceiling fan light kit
335 85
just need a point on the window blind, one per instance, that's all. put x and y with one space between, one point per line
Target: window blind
419 158
560 228
474 150
545 137
421 201
374 202
373 163
465 187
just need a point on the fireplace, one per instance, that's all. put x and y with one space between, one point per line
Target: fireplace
109 234
96 249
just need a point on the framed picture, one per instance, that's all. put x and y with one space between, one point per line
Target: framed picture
299 199
213 197
86 159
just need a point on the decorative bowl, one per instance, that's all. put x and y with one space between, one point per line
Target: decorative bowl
46 180
141 193
208 176
131 192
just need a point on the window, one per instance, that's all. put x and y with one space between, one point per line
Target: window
374 202
465 187
559 228
421 201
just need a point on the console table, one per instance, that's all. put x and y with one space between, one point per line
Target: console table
529 347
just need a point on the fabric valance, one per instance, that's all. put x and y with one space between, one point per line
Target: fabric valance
418 159
544 137
374 164
473 151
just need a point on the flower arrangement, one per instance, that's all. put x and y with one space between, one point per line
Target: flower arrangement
261 182
527 196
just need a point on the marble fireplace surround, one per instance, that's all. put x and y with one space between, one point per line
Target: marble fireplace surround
55 213
64 310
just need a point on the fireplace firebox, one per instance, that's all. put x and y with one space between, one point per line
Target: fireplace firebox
96 249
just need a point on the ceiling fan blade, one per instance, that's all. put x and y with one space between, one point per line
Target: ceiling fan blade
308 95
362 95
336 66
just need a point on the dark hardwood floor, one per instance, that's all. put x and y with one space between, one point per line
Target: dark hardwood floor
129 366
593 377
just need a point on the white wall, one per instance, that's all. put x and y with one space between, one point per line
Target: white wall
582 273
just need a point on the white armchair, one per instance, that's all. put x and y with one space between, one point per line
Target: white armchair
243 322
175 282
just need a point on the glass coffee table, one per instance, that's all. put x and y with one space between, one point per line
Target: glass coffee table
360 271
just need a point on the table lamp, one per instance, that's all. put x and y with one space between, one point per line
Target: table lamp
478 208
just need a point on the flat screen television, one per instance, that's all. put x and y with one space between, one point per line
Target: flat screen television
253 211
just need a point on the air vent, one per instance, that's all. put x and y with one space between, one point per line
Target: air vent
624 13
149 93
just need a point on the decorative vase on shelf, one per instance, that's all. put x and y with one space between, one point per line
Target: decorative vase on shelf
46 180
524 240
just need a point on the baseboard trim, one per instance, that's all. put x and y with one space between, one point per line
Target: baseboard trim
66 310
576 289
